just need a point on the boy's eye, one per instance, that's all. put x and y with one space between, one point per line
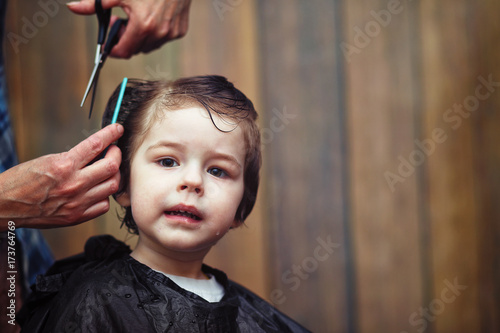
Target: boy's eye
216 172
168 163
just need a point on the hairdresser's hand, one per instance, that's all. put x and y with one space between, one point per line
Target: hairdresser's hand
151 22
62 189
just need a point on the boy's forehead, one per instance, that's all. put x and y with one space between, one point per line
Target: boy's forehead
192 116
194 124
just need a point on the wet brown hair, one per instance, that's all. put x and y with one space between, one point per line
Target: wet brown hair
144 102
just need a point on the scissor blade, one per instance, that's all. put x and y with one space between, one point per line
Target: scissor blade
97 58
91 81
93 93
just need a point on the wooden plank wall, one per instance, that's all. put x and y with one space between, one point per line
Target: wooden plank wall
378 209
381 124
306 177
456 63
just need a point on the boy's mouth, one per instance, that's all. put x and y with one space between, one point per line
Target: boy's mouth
187 211
183 213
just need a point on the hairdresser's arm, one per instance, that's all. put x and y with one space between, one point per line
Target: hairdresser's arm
151 22
62 189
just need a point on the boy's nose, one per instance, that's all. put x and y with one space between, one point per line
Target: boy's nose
192 181
190 188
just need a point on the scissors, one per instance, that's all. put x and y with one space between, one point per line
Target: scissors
103 17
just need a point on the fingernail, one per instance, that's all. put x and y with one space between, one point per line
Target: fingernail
120 128
72 3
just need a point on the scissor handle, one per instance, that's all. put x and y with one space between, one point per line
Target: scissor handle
103 17
113 35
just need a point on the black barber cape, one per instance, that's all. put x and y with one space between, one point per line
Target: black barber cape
106 290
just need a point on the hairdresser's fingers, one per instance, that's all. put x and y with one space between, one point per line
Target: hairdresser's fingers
103 190
83 7
99 198
87 150
132 38
103 169
151 24
87 7
96 210
153 42
90 203
98 184
177 28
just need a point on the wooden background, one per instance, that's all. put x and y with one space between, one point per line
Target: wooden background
378 209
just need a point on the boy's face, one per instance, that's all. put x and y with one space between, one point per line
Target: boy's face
186 182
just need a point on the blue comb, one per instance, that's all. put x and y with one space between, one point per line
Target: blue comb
119 101
115 113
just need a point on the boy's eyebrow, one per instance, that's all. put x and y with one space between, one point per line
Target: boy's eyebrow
160 144
228 158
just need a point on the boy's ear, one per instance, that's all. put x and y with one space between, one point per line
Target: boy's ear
236 223
123 199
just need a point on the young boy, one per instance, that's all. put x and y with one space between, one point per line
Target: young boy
189 173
